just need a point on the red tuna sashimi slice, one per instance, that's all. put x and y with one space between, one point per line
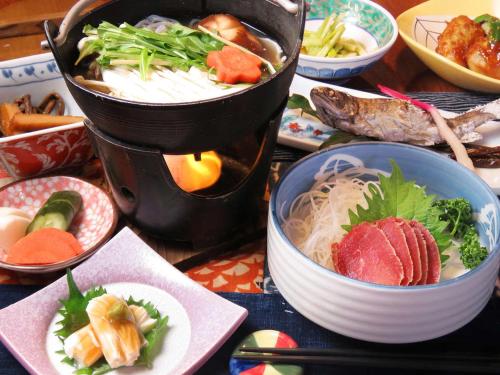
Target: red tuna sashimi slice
433 256
411 241
366 254
394 233
422 247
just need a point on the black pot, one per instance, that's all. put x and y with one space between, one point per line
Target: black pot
193 126
147 194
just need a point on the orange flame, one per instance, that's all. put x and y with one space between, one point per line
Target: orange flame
191 175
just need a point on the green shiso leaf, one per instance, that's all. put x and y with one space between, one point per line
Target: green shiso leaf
154 340
339 137
73 310
154 337
297 101
98 368
397 197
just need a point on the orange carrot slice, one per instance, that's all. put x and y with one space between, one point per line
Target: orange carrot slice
45 246
234 66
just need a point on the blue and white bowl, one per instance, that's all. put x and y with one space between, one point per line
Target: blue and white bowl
372 312
366 22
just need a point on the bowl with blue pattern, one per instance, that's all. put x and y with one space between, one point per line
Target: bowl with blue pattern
370 311
366 22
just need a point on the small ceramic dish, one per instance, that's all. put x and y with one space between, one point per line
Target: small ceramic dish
92 226
199 320
30 154
366 22
420 27
373 312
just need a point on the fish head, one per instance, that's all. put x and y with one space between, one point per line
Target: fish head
332 105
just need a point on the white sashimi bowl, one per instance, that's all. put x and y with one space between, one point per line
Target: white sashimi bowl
371 312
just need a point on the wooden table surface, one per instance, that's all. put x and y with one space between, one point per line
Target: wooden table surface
20 35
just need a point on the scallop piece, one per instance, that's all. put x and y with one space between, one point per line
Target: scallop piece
115 328
83 347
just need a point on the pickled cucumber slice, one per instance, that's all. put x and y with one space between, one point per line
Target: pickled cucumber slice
58 212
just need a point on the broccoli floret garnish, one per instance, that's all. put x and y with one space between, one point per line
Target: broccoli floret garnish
471 251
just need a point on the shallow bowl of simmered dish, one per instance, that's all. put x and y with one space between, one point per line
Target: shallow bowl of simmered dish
376 312
365 22
421 26
42 151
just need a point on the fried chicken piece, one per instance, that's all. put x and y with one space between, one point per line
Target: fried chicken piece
457 37
230 28
483 57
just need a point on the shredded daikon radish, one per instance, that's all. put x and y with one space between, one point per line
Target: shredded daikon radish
316 217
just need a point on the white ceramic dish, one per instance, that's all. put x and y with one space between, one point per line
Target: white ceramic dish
372 312
307 133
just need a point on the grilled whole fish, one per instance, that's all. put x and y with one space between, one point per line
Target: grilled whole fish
391 120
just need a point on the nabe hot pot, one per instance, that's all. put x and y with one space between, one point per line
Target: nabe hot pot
160 159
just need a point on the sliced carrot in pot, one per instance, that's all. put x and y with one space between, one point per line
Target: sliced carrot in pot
234 66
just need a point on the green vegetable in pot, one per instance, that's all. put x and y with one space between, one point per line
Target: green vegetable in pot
58 212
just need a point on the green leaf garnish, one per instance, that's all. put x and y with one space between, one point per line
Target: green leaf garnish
396 197
297 101
458 213
471 251
340 137
73 310
153 337
155 342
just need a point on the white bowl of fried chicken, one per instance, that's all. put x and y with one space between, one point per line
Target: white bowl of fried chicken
458 39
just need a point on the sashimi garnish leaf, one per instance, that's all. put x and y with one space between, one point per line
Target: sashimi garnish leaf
154 340
397 197
73 310
99 368
297 101
154 337
148 306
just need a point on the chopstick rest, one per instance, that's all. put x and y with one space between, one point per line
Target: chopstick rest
264 338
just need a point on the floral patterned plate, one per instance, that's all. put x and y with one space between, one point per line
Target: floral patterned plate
92 226
42 151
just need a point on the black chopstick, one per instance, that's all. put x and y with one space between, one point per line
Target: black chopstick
386 362
353 352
